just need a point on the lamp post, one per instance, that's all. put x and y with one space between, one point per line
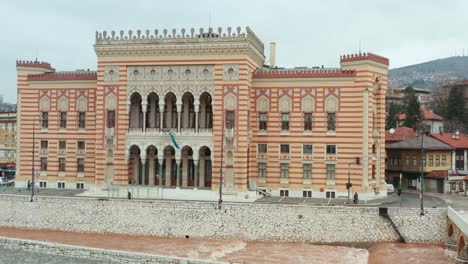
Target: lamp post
221 172
32 152
348 185
421 177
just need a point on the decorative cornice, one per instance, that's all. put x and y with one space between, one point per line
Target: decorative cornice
64 76
364 56
302 73
34 64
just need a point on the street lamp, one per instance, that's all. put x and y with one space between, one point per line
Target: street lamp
221 172
349 185
421 177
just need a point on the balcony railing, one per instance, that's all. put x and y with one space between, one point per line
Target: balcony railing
80 152
62 152
43 152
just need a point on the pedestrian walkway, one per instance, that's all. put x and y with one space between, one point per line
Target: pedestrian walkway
12 256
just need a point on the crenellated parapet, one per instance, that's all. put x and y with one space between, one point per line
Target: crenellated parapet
302 73
182 37
64 76
34 64
364 56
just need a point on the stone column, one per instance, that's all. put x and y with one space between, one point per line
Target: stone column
195 181
465 159
179 113
168 171
144 109
143 172
453 160
161 113
178 171
184 172
201 175
197 109
136 170
151 113
160 160
151 164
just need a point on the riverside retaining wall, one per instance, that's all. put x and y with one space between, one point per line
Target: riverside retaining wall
244 221
103 255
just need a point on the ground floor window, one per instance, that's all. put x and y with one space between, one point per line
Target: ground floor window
284 193
43 184
61 185
307 193
80 185
330 194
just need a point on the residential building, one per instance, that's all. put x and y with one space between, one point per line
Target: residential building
458 173
433 123
396 94
406 163
181 110
7 138
457 85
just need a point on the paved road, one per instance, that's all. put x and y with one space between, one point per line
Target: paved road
412 200
10 256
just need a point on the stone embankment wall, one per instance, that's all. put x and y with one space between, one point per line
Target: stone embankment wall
244 221
104 255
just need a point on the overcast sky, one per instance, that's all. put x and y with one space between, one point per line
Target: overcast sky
307 33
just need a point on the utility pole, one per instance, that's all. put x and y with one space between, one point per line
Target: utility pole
421 179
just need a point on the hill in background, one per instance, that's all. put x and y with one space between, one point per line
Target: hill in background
431 74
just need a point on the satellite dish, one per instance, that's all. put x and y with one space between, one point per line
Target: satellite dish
392 130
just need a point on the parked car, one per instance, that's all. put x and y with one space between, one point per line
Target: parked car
11 182
390 188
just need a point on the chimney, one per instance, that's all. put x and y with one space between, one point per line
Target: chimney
272 54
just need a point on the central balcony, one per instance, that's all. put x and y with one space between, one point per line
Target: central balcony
161 137
165 131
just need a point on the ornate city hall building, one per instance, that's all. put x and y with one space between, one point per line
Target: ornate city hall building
181 110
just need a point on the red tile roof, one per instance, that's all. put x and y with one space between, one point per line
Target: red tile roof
449 138
426 114
400 134
437 174
64 76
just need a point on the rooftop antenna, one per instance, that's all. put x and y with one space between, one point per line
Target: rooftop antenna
36 54
209 19
359 46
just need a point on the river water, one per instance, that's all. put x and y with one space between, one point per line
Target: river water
244 252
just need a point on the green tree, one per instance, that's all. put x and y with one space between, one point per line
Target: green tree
439 105
392 116
456 108
411 108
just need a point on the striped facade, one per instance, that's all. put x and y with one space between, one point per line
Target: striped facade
228 112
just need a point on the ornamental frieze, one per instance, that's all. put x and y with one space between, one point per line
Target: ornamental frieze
175 73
